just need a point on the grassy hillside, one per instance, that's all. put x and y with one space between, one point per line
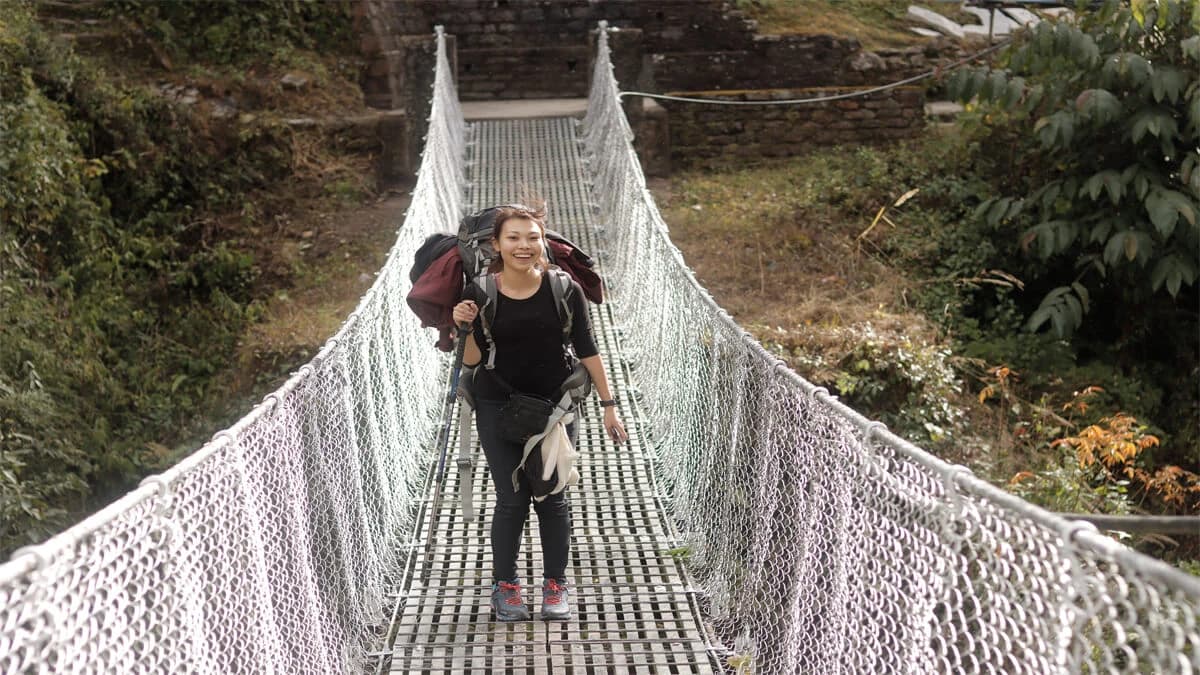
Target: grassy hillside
859 267
876 23
925 283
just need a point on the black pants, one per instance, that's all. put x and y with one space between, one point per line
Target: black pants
512 507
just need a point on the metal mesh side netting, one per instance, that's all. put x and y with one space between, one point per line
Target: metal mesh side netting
826 544
266 550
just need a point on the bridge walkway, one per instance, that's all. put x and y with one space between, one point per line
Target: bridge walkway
634 610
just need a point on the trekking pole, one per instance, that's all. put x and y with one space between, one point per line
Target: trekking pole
451 395
444 442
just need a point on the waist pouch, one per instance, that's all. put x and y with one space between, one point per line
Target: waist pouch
524 415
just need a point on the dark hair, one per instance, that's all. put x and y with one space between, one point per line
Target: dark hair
536 213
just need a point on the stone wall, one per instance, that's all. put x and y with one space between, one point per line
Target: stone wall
793 61
510 49
767 61
539 48
398 79
702 132
515 72
669 25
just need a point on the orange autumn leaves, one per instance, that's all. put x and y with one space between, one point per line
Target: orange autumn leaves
1111 448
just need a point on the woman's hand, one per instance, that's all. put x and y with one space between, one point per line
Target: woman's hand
613 426
465 312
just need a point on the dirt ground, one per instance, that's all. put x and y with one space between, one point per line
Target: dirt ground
328 256
804 287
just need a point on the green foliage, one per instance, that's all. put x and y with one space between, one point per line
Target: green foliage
1070 488
911 387
875 23
228 32
41 470
1052 367
1104 116
123 287
968 275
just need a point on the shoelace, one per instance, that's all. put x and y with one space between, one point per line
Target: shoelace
553 592
512 593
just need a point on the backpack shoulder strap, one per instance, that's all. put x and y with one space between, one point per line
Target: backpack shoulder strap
560 285
487 313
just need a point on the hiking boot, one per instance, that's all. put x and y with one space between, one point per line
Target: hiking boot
507 604
555 606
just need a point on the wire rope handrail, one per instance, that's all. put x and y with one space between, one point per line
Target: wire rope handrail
825 543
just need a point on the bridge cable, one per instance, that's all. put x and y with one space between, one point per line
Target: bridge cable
823 99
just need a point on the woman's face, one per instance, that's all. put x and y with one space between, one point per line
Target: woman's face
519 244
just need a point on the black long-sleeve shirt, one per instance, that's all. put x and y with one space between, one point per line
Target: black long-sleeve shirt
530 354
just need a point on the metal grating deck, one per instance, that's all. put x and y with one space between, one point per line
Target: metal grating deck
634 612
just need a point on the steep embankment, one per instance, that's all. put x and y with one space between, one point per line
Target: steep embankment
171 247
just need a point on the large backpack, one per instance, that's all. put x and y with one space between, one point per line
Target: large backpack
449 279
474 243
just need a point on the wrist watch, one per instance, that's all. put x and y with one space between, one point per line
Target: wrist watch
608 403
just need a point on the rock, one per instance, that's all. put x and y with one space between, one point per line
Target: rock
1021 17
864 61
924 31
179 93
1000 22
984 15
224 108
294 81
1057 12
937 21
943 111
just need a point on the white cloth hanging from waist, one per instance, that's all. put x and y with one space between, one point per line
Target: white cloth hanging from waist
557 451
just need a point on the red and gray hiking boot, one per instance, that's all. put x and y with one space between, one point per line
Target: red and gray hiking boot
507 604
555 606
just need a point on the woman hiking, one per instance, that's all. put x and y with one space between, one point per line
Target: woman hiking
524 348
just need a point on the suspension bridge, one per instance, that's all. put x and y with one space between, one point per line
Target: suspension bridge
754 524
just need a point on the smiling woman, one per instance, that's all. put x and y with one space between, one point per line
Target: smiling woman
520 241
529 356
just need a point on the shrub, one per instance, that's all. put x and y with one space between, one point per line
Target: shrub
223 32
1103 118
124 281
